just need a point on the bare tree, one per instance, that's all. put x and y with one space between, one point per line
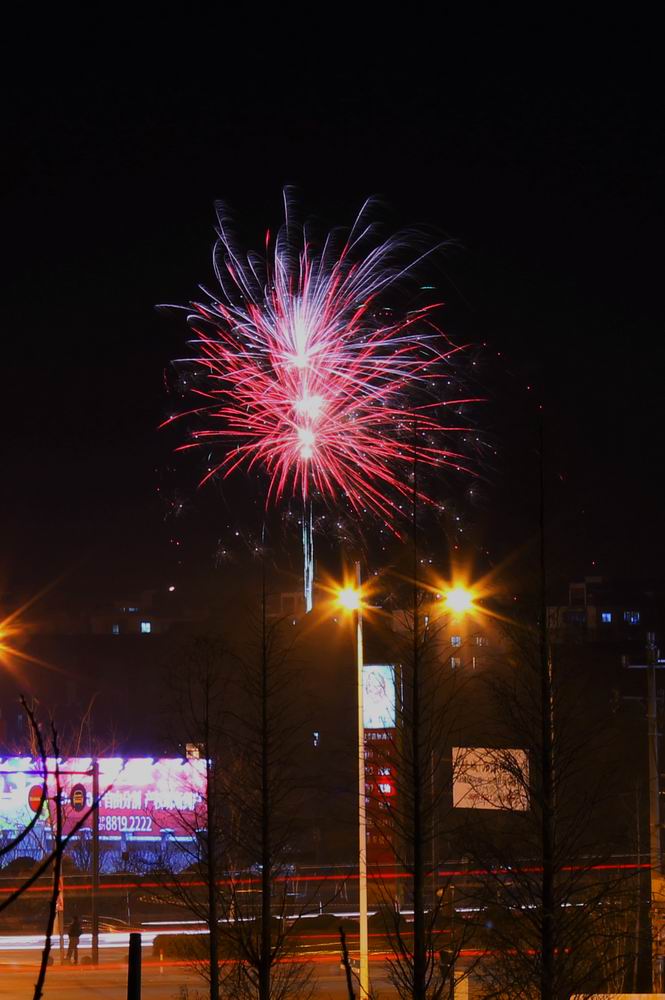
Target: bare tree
558 918
267 727
192 870
412 822
58 850
51 791
237 711
558 904
13 843
428 691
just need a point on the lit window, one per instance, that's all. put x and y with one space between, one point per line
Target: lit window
455 662
481 640
115 629
456 640
316 738
606 617
632 617
146 628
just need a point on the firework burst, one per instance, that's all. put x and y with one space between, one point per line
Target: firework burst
305 375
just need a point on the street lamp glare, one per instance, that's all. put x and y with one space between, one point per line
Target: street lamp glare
7 633
349 598
459 600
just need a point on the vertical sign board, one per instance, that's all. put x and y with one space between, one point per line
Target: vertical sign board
380 723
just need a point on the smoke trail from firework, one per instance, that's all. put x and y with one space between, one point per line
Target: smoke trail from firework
304 376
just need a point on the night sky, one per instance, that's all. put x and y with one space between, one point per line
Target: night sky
550 185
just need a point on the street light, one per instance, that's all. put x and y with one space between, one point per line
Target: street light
459 599
350 598
8 630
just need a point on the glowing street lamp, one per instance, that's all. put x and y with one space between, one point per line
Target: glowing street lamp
350 598
9 631
459 599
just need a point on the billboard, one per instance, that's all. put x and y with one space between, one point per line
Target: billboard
380 722
490 778
140 797
379 697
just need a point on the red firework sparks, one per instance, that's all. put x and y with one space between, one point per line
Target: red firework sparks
305 376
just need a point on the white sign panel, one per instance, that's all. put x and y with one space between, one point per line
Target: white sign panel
485 778
379 697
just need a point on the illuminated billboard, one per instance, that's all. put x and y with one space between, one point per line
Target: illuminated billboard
140 797
379 697
487 778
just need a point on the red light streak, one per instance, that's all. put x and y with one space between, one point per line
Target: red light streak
343 877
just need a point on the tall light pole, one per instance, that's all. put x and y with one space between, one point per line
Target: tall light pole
656 873
94 898
654 810
350 598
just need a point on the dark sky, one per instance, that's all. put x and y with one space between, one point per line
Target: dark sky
550 184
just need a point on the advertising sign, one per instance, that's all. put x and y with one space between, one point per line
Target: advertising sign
380 721
139 797
486 778
379 697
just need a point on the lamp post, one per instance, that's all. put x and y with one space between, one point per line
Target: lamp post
350 598
94 896
653 663
459 601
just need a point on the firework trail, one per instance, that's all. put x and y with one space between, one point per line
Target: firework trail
303 374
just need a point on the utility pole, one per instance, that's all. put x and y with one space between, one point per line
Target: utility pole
94 900
363 979
655 861
351 600
417 765
654 808
547 776
265 970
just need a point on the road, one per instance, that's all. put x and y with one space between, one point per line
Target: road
19 960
